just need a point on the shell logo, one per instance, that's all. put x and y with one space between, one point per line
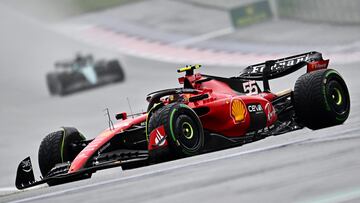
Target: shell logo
238 110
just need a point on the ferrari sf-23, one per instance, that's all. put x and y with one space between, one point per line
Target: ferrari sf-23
205 114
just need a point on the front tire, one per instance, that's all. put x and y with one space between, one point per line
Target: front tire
321 99
56 148
183 128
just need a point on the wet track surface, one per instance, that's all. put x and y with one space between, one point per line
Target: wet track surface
303 166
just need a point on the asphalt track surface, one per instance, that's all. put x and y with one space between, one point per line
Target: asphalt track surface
303 166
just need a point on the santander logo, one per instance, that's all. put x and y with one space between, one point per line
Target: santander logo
159 139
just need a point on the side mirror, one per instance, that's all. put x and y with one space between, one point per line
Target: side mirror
122 116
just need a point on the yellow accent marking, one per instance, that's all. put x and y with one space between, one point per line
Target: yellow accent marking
196 66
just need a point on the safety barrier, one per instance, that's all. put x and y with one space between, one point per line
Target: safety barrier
331 11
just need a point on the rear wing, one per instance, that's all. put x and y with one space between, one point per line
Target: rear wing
280 67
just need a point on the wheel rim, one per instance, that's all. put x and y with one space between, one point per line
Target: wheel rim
187 130
337 98
188 134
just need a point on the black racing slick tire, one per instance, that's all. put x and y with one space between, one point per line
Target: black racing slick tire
115 68
56 148
321 99
54 84
183 128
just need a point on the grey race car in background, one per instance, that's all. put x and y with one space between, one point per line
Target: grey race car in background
81 73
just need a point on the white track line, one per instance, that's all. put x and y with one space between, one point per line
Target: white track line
6 189
206 36
171 168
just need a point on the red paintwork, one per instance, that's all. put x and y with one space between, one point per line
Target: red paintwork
219 87
219 118
317 65
101 139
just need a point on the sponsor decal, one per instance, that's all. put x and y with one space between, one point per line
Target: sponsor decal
251 13
257 117
316 65
254 108
238 110
26 165
270 111
279 65
262 95
104 147
265 130
159 138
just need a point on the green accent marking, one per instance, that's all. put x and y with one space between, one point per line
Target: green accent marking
171 130
171 126
339 96
324 91
187 130
330 72
62 146
341 119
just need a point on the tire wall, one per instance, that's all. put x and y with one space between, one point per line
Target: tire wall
329 11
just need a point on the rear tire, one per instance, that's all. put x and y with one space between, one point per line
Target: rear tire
321 99
115 68
56 148
54 84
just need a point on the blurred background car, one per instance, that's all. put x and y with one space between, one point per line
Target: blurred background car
153 37
83 72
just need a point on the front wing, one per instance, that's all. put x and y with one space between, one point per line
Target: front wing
25 175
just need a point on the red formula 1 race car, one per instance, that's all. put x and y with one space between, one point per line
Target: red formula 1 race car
207 113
